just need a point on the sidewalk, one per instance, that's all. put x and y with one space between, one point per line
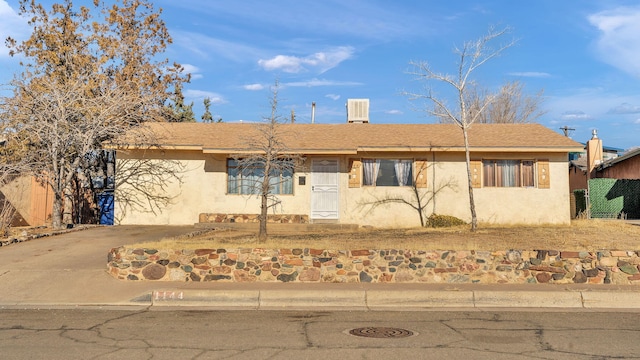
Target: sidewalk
69 271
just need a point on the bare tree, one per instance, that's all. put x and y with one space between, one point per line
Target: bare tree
85 82
269 164
509 106
472 55
61 126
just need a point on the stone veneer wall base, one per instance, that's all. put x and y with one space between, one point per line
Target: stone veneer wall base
376 266
252 218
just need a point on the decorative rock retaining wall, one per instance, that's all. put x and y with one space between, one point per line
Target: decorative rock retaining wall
252 218
406 266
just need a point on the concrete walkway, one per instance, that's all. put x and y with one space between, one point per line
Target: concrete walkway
69 270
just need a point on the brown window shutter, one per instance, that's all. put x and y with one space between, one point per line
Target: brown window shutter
476 173
544 179
355 171
420 173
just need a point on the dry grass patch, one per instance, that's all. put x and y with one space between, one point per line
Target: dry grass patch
586 235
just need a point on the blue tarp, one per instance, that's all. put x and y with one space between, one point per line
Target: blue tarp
105 203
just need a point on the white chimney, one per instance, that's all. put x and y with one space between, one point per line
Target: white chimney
357 110
595 154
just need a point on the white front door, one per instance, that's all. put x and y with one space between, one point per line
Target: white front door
324 189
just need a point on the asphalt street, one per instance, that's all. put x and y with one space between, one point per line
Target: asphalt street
100 334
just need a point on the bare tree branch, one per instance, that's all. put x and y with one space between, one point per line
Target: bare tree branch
472 55
86 80
268 160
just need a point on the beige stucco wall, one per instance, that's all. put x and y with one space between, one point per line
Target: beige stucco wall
493 205
204 191
528 205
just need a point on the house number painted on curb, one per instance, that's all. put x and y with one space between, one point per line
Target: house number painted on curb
169 295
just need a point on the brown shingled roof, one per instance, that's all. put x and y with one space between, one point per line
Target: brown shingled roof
349 138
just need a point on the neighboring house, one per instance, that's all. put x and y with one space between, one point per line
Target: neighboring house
626 166
519 172
608 153
596 164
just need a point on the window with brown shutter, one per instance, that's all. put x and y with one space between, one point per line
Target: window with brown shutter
421 173
507 173
476 173
544 179
355 167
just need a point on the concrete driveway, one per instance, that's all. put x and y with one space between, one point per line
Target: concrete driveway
71 268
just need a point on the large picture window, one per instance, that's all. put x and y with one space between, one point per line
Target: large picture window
387 172
508 173
248 181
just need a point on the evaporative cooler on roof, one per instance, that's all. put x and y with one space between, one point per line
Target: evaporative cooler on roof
358 110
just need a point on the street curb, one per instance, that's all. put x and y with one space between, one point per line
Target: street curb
385 300
357 300
220 299
417 300
313 299
529 299
611 300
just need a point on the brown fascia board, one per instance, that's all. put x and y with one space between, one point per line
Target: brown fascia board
471 149
397 149
152 147
546 149
346 151
290 151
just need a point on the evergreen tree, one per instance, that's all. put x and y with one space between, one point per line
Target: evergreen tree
207 117
178 110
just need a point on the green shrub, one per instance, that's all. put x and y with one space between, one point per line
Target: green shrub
437 221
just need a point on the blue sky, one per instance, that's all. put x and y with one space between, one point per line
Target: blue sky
584 54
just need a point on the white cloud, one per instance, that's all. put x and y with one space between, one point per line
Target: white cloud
318 82
637 121
11 25
394 112
254 87
625 108
532 74
619 43
200 95
205 46
332 96
319 62
362 19
575 115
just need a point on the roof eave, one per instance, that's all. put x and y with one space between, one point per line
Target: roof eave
539 149
152 147
549 149
290 151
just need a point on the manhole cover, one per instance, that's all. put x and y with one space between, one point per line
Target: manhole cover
381 332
